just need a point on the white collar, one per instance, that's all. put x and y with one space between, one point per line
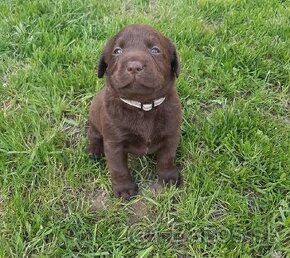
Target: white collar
145 107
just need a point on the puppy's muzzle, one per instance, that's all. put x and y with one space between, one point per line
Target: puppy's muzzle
134 67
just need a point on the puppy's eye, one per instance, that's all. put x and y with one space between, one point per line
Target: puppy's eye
155 50
117 51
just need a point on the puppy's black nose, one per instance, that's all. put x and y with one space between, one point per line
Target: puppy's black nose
134 67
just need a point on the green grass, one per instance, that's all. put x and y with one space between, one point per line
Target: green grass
235 143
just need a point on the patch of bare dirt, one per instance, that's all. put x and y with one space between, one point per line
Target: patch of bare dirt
99 200
140 210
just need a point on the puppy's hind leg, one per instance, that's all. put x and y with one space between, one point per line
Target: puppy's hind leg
95 146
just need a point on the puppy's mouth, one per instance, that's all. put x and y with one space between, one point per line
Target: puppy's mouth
135 83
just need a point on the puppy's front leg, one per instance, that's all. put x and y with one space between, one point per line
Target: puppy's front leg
117 160
166 170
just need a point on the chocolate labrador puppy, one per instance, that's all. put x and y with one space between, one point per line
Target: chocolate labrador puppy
138 111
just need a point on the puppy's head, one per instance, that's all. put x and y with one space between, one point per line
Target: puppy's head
139 60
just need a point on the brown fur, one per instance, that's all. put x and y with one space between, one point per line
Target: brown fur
116 128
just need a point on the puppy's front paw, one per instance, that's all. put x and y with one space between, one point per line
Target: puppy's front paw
169 176
125 190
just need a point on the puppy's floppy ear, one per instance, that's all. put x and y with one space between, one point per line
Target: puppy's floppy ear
175 64
102 66
103 62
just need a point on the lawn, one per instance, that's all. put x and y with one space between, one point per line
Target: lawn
235 141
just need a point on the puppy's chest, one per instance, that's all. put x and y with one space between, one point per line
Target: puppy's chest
143 137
